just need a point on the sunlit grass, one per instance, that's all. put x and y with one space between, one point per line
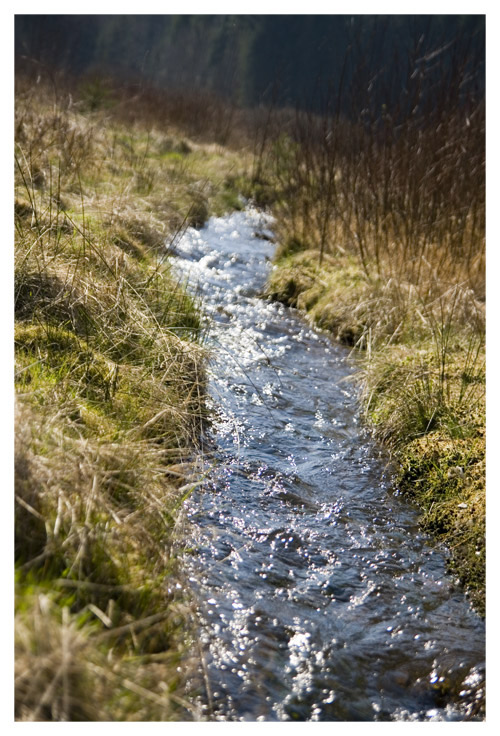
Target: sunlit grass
110 395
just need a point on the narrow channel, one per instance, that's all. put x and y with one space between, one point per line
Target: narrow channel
319 598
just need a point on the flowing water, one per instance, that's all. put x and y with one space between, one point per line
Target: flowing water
319 599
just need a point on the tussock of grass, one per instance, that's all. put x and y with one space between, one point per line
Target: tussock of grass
110 404
431 412
328 294
96 591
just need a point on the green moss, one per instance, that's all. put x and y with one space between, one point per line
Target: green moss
173 157
445 477
51 355
230 200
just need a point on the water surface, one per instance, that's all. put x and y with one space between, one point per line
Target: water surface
319 598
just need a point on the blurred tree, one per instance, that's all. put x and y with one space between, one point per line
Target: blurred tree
243 57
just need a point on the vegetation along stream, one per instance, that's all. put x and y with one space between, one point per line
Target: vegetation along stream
319 599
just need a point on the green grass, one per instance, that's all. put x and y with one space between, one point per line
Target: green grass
110 401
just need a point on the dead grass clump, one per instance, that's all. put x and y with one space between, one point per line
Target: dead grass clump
69 669
94 523
53 678
46 297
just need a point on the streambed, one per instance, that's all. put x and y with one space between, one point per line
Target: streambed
319 598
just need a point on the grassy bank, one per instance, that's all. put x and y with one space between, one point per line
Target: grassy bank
381 229
109 396
421 377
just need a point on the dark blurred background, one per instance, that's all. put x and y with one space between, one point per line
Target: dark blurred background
291 60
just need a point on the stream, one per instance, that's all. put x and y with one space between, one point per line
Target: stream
318 597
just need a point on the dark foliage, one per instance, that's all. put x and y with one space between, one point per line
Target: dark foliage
293 59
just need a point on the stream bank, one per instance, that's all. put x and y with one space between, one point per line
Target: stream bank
421 375
319 596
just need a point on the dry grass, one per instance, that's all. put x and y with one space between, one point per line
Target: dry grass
110 405
97 599
381 225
